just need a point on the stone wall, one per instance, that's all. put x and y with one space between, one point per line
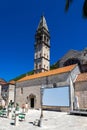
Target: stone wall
57 108
81 93
48 80
33 87
11 92
23 97
0 95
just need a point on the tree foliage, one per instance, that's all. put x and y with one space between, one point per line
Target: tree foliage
84 7
68 2
23 75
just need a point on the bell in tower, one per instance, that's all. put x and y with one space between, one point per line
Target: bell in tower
42 47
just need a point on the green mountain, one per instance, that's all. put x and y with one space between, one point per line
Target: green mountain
22 75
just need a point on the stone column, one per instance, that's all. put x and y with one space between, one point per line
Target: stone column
71 94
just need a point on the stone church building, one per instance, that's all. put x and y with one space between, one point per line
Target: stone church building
28 89
71 72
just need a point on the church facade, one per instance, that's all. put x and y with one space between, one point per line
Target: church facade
28 89
71 72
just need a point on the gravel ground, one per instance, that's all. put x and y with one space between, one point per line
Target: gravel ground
51 121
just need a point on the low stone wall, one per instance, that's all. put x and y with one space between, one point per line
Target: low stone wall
57 108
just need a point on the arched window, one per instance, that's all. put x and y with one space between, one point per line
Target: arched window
40 54
36 66
47 39
44 54
44 38
36 56
40 66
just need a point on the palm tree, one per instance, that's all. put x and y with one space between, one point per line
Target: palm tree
84 7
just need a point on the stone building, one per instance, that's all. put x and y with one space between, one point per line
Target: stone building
28 89
6 91
70 73
2 83
11 91
81 90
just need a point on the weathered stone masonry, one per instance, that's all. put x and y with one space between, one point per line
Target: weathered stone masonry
32 86
81 92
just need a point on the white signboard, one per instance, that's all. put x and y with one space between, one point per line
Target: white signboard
56 96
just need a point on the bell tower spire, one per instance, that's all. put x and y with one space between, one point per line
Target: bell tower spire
42 47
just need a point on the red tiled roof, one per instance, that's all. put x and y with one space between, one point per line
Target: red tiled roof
81 77
48 73
12 82
3 83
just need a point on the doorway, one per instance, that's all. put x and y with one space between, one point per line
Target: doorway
32 102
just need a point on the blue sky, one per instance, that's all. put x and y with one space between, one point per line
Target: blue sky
18 22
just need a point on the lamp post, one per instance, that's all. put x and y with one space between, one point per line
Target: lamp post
42 91
41 115
15 103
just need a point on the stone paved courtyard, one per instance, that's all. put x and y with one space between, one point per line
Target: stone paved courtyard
51 121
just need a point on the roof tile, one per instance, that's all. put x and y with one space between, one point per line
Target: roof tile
81 77
48 73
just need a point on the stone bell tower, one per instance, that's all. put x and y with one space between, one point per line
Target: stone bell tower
42 47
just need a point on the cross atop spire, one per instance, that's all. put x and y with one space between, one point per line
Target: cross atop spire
43 23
